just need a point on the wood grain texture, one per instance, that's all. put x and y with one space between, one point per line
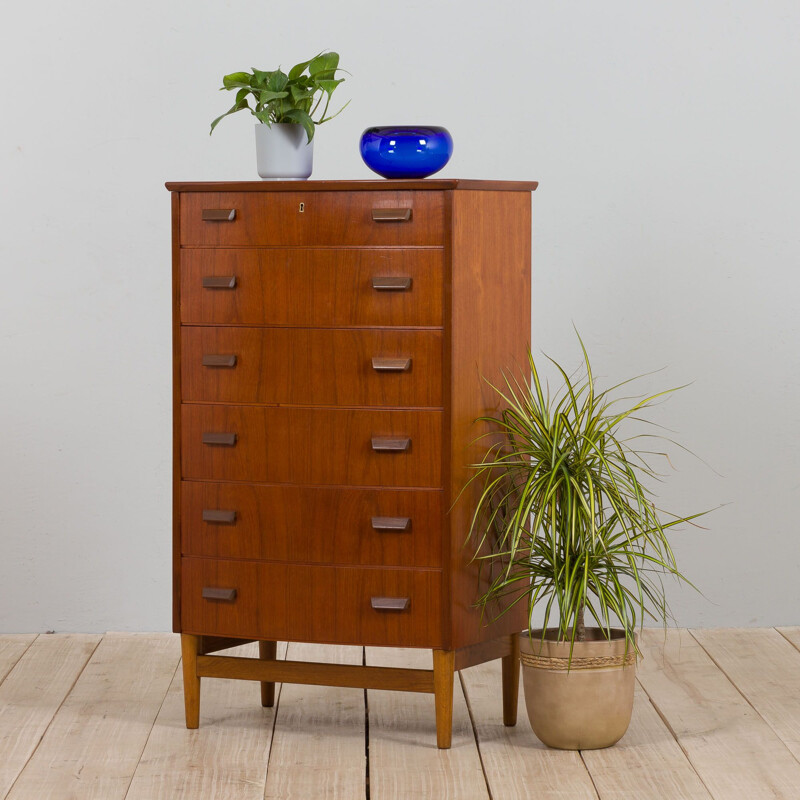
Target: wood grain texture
94 742
274 218
311 287
646 762
490 309
429 184
32 693
226 759
735 753
403 757
311 446
517 764
331 720
311 366
12 648
176 412
273 602
190 648
319 525
765 668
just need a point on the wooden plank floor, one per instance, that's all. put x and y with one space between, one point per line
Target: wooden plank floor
716 717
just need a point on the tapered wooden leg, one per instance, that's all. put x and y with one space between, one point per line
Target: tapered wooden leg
511 682
443 671
267 652
191 683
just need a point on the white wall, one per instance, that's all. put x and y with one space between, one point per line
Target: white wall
665 137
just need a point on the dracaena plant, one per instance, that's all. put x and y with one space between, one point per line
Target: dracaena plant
302 96
566 517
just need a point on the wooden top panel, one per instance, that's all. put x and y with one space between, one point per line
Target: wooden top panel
350 186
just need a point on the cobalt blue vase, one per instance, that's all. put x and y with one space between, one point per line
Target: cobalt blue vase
406 151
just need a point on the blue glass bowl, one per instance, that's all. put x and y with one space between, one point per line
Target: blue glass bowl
406 151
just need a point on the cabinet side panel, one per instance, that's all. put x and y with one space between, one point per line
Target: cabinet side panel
176 412
490 321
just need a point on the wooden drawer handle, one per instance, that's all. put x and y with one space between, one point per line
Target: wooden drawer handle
391 214
214 593
391 523
219 515
391 284
390 444
219 360
390 603
221 439
219 214
391 364
219 281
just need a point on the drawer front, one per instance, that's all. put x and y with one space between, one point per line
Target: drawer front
313 218
312 287
311 446
336 605
316 525
314 366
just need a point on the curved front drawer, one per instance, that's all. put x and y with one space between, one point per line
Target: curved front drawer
311 445
336 605
313 287
306 219
321 525
303 366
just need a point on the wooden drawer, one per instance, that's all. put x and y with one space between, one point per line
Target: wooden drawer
312 366
312 218
311 603
318 525
312 445
312 287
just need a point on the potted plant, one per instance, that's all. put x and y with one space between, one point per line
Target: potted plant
565 522
288 108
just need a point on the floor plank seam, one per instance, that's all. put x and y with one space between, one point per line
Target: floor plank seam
155 719
366 730
744 697
675 737
591 777
11 669
475 734
793 644
55 713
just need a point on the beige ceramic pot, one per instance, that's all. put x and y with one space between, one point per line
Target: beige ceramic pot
587 706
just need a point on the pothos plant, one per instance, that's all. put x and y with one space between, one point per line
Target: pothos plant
295 97
565 516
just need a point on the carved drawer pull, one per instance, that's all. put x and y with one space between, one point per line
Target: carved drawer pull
219 281
219 360
219 515
215 593
391 523
390 444
220 439
391 214
390 603
391 364
391 284
219 214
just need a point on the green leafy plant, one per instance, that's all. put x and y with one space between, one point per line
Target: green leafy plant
280 97
563 517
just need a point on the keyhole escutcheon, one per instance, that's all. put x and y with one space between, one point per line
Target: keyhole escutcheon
302 207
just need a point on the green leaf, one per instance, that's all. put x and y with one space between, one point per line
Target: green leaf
277 80
301 118
267 96
239 105
323 66
236 80
329 85
297 70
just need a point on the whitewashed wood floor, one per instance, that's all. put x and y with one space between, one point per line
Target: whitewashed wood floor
717 715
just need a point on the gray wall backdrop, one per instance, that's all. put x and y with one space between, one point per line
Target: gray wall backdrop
665 137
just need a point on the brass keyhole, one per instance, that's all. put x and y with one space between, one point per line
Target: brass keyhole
302 207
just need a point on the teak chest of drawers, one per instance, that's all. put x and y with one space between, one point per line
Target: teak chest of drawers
331 341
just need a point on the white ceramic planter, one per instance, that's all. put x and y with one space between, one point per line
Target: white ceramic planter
283 151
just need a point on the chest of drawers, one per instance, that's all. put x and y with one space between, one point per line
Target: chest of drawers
331 345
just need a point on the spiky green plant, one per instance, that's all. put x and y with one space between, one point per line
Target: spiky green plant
564 518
